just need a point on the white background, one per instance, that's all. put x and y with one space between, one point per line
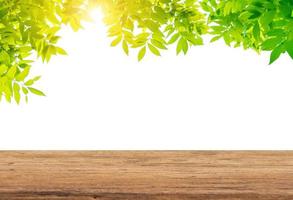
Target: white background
216 97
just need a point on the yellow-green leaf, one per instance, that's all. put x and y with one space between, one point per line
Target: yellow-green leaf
141 53
36 92
154 50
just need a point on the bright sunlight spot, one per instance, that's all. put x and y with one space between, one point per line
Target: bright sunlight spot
97 16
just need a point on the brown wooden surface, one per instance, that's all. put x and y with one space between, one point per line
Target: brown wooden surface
146 175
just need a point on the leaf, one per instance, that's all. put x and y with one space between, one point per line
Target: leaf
215 38
4 57
75 24
289 48
50 52
205 7
125 47
174 38
256 32
129 24
24 90
32 81
55 39
61 51
21 76
153 26
182 46
36 92
8 94
29 82
272 43
158 44
116 41
16 93
11 72
3 69
194 41
267 18
143 36
154 50
141 53
276 53
179 47
36 78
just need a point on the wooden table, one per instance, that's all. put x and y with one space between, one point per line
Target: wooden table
146 175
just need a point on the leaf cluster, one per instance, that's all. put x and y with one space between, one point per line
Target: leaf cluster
262 25
30 27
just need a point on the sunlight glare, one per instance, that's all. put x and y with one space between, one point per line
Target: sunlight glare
97 16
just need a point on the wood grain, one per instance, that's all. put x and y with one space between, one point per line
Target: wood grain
166 175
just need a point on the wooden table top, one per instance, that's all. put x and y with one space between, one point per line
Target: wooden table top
146 175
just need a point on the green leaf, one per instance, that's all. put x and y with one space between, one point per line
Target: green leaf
289 48
11 72
174 38
158 44
16 93
36 92
29 82
4 57
154 50
125 47
215 38
182 46
61 51
116 41
272 43
267 18
256 32
21 76
276 53
3 69
36 78
141 53
179 47
194 41
24 90
32 81
8 94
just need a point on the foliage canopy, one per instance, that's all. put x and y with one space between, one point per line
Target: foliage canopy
31 26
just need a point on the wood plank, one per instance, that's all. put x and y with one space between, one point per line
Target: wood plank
166 175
